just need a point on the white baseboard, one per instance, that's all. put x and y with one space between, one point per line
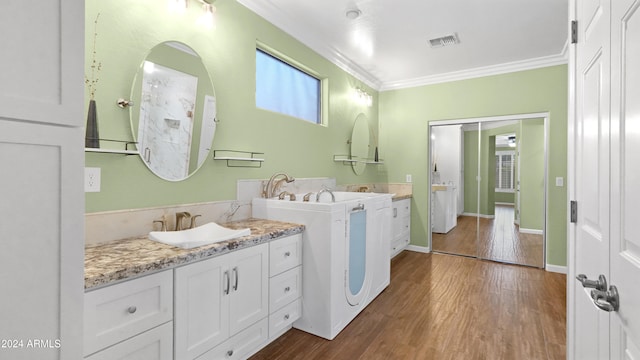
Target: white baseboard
479 215
416 248
531 231
504 203
556 268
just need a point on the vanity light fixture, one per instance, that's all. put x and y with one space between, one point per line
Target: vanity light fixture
362 97
208 9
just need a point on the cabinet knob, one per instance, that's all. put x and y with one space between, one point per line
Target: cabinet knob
287 254
230 353
286 317
131 309
287 289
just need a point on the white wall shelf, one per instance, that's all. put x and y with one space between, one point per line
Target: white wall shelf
125 151
236 158
348 160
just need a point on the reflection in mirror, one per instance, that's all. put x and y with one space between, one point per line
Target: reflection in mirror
176 120
360 144
502 215
454 195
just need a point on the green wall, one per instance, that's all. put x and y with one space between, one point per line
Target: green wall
127 30
405 115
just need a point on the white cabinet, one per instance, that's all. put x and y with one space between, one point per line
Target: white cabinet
123 311
401 225
443 207
42 157
218 298
285 284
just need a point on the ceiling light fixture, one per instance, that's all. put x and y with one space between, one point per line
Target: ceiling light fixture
353 14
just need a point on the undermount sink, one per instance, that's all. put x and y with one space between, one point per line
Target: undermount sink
199 236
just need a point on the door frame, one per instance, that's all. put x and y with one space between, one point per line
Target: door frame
512 117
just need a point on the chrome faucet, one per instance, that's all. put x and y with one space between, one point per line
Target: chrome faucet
180 216
333 197
270 188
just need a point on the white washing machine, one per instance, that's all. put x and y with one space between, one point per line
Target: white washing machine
346 260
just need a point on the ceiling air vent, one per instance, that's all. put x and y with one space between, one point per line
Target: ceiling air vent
444 41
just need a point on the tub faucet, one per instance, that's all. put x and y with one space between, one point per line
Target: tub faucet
180 216
292 197
333 197
270 188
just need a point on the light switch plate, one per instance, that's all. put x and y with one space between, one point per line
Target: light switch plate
91 179
408 178
560 181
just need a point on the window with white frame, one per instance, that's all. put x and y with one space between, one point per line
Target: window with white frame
284 88
505 170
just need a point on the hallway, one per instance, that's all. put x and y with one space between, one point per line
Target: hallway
447 307
500 239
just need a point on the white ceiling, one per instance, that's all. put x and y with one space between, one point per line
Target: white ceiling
387 47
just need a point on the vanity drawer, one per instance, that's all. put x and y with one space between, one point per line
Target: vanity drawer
155 344
285 288
241 345
281 319
120 311
285 254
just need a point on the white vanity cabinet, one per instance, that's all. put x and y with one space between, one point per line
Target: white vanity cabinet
130 320
401 225
217 299
285 284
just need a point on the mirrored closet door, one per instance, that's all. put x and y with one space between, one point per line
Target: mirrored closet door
488 190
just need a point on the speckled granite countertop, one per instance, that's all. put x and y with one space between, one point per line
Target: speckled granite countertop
123 259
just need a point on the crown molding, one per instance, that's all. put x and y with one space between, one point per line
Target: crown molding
276 16
498 69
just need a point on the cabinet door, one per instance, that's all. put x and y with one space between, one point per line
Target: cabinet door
249 298
42 61
201 303
42 235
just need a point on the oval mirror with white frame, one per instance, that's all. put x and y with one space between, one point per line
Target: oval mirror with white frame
174 117
360 144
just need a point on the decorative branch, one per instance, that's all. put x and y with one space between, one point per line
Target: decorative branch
95 65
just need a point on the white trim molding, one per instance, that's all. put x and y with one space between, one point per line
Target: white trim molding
497 69
531 231
556 268
479 215
421 249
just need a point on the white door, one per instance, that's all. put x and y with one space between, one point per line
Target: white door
625 177
606 238
588 326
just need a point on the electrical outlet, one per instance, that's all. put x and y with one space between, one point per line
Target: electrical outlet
559 181
91 179
408 178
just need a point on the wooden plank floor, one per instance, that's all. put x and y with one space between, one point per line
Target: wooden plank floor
447 307
500 239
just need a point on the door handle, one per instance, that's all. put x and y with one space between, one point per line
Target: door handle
600 284
235 272
606 300
226 274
